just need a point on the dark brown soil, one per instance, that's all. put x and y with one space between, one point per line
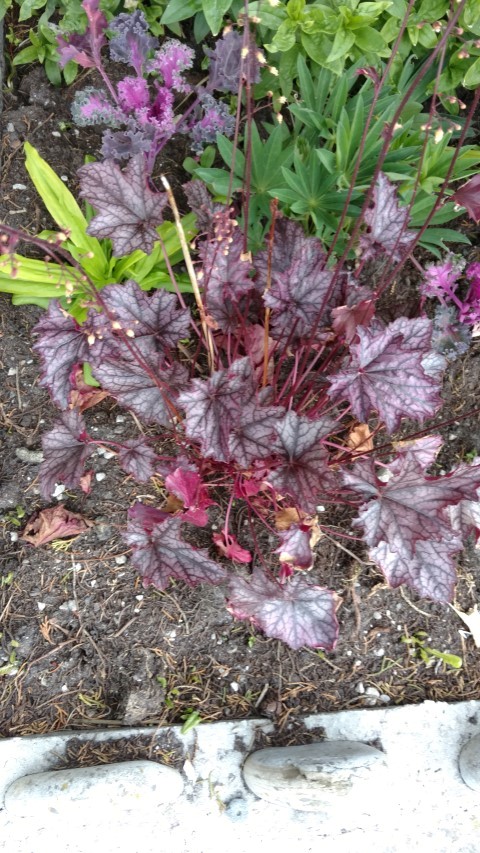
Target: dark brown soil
83 645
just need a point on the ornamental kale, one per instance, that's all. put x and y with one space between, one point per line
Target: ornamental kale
139 110
256 390
441 282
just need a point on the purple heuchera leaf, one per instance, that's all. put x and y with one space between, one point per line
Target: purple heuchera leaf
387 223
124 144
146 516
388 374
213 406
409 508
137 458
302 473
468 196
298 294
430 571
226 276
253 433
128 210
154 319
295 547
297 612
65 450
226 63
202 205
170 61
161 554
61 344
149 393
290 245
187 485
425 450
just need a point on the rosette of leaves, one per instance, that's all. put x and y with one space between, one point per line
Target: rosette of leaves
259 401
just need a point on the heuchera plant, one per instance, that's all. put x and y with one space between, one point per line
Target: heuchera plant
286 364
138 112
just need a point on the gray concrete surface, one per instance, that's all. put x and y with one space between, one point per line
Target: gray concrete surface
425 806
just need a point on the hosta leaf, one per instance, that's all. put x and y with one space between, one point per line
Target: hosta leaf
430 571
387 374
303 472
149 393
153 318
297 612
64 453
61 344
387 223
137 458
128 210
253 433
162 555
213 405
409 507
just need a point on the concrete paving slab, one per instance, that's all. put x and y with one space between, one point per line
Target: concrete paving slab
425 806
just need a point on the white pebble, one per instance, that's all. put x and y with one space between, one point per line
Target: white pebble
377 615
13 536
41 605
10 127
56 133
360 687
100 476
120 419
64 688
58 491
121 560
379 653
139 597
64 178
12 371
19 187
235 686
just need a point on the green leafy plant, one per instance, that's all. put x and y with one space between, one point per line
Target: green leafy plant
308 162
336 35
37 281
418 645
208 15
11 667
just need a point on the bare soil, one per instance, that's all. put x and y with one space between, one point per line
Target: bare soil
82 644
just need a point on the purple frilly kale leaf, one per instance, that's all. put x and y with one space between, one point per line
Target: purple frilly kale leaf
213 406
202 205
389 373
125 144
226 65
468 197
470 311
387 224
302 472
133 94
146 385
441 280
153 320
215 118
296 612
409 508
128 210
61 344
137 458
65 449
160 554
253 433
289 245
295 547
171 61
130 41
91 106
301 293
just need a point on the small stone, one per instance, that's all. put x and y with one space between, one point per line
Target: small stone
469 763
126 786
377 615
13 536
121 559
360 687
234 686
56 133
19 187
100 476
236 809
120 419
318 776
64 178
41 606
12 371
143 703
10 127
70 606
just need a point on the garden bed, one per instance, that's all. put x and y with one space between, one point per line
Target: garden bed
84 644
